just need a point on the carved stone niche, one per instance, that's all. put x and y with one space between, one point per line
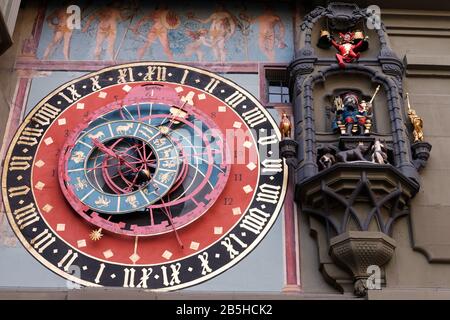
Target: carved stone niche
358 205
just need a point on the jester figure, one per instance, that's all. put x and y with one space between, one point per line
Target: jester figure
348 50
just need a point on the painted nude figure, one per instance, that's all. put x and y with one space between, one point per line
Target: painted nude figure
221 29
108 18
268 37
198 40
57 20
159 30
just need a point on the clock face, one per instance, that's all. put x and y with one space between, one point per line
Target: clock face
146 175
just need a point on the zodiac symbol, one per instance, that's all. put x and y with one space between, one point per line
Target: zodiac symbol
102 202
98 135
78 157
132 201
80 184
169 164
165 177
124 129
158 142
166 153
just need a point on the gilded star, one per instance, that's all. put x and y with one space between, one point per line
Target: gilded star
96 235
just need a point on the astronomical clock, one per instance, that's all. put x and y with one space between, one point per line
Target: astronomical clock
146 175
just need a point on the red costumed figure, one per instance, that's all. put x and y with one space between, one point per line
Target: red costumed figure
348 51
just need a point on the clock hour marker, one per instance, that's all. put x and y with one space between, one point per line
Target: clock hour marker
247 144
251 166
39 163
194 245
108 253
190 269
62 121
84 268
70 257
19 178
167 255
43 240
247 189
60 227
201 96
212 85
179 89
237 125
48 141
126 88
222 109
217 255
81 243
100 272
80 106
237 211
219 230
134 257
39 185
102 95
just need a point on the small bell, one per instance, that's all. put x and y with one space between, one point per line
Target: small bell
324 40
358 37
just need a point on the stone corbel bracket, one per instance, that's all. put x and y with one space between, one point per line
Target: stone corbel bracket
358 203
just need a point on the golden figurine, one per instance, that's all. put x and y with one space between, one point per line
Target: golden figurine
285 126
416 121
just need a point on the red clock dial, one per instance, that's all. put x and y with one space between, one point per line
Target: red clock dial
150 175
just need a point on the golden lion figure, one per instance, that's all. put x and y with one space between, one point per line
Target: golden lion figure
285 126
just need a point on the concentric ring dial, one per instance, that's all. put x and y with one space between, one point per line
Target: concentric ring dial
163 164
118 160
145 175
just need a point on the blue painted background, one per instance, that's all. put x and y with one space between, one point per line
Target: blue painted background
241 46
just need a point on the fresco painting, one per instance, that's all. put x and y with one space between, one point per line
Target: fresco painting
117 31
